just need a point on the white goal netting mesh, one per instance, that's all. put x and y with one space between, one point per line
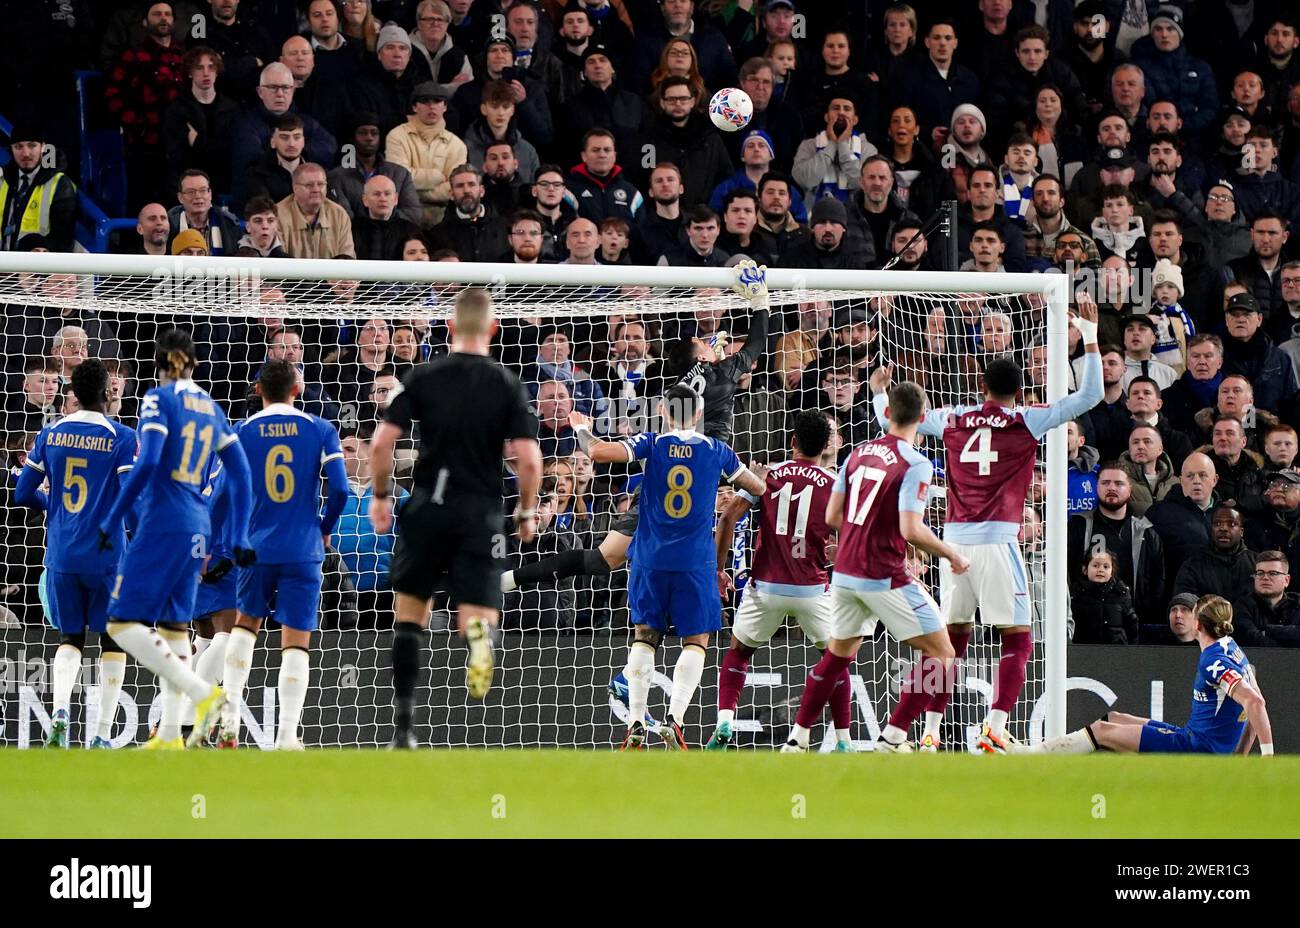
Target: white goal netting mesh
601 349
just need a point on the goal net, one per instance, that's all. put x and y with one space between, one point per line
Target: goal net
596 339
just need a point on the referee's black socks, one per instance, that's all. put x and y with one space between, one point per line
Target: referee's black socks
406 663
579 562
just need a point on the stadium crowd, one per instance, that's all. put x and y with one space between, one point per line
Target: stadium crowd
1150 150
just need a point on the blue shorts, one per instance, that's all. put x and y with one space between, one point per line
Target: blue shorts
290 591
677 602
78 602
216 597
1163 738
157 579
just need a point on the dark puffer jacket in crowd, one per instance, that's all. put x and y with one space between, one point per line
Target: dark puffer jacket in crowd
1103 613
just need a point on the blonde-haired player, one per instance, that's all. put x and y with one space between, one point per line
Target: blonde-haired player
1227 716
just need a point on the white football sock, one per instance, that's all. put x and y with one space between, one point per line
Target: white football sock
997 722
843 734
893 734
726 715
933 721
212 662
200 648
800 735
1076 742
169 726
112 671
155 655
239 660
640 672
508 582
295 665
686 679
66 664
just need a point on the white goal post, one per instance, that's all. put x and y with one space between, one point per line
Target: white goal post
40 290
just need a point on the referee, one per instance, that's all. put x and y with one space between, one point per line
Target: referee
469 408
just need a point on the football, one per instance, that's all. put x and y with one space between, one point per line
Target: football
731 109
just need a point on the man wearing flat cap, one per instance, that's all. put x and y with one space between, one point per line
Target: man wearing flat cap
427 148
1277 525
1248 351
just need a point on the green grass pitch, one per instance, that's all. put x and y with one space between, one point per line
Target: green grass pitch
457 793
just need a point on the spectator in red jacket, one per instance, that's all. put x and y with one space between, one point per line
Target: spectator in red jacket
140 87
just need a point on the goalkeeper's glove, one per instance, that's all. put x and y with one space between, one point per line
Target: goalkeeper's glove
245 557
218 570
751 283
1087 329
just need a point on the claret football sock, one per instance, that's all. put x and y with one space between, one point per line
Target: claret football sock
731 680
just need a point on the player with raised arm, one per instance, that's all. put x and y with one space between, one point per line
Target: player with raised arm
991 451
716 378
886 482
158 574
84 456
289 450
469 408
1227 715
788 577
672 586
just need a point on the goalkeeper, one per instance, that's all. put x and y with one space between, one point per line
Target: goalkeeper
715 378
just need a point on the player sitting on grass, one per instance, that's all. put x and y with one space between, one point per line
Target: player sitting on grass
672 585
789 572
158 574
289 449
1227 714
991 450
887 483
84 456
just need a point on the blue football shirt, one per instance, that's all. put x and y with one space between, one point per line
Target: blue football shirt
287 450
221 537
682 473
85 456
194 428
1217 719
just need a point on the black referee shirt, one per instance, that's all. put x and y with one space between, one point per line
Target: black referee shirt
467 406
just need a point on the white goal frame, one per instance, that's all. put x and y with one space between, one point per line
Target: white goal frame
784 285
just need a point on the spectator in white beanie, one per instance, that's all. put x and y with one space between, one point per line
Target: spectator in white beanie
1173 325
966 132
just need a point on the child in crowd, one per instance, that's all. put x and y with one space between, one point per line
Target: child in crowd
1173 326
782 55
1102 605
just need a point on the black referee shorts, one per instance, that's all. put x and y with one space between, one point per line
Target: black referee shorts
451 546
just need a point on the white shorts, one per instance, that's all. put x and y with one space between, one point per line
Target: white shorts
997 584
908 612
762 612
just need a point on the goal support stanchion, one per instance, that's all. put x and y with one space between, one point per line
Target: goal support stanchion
1058 353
